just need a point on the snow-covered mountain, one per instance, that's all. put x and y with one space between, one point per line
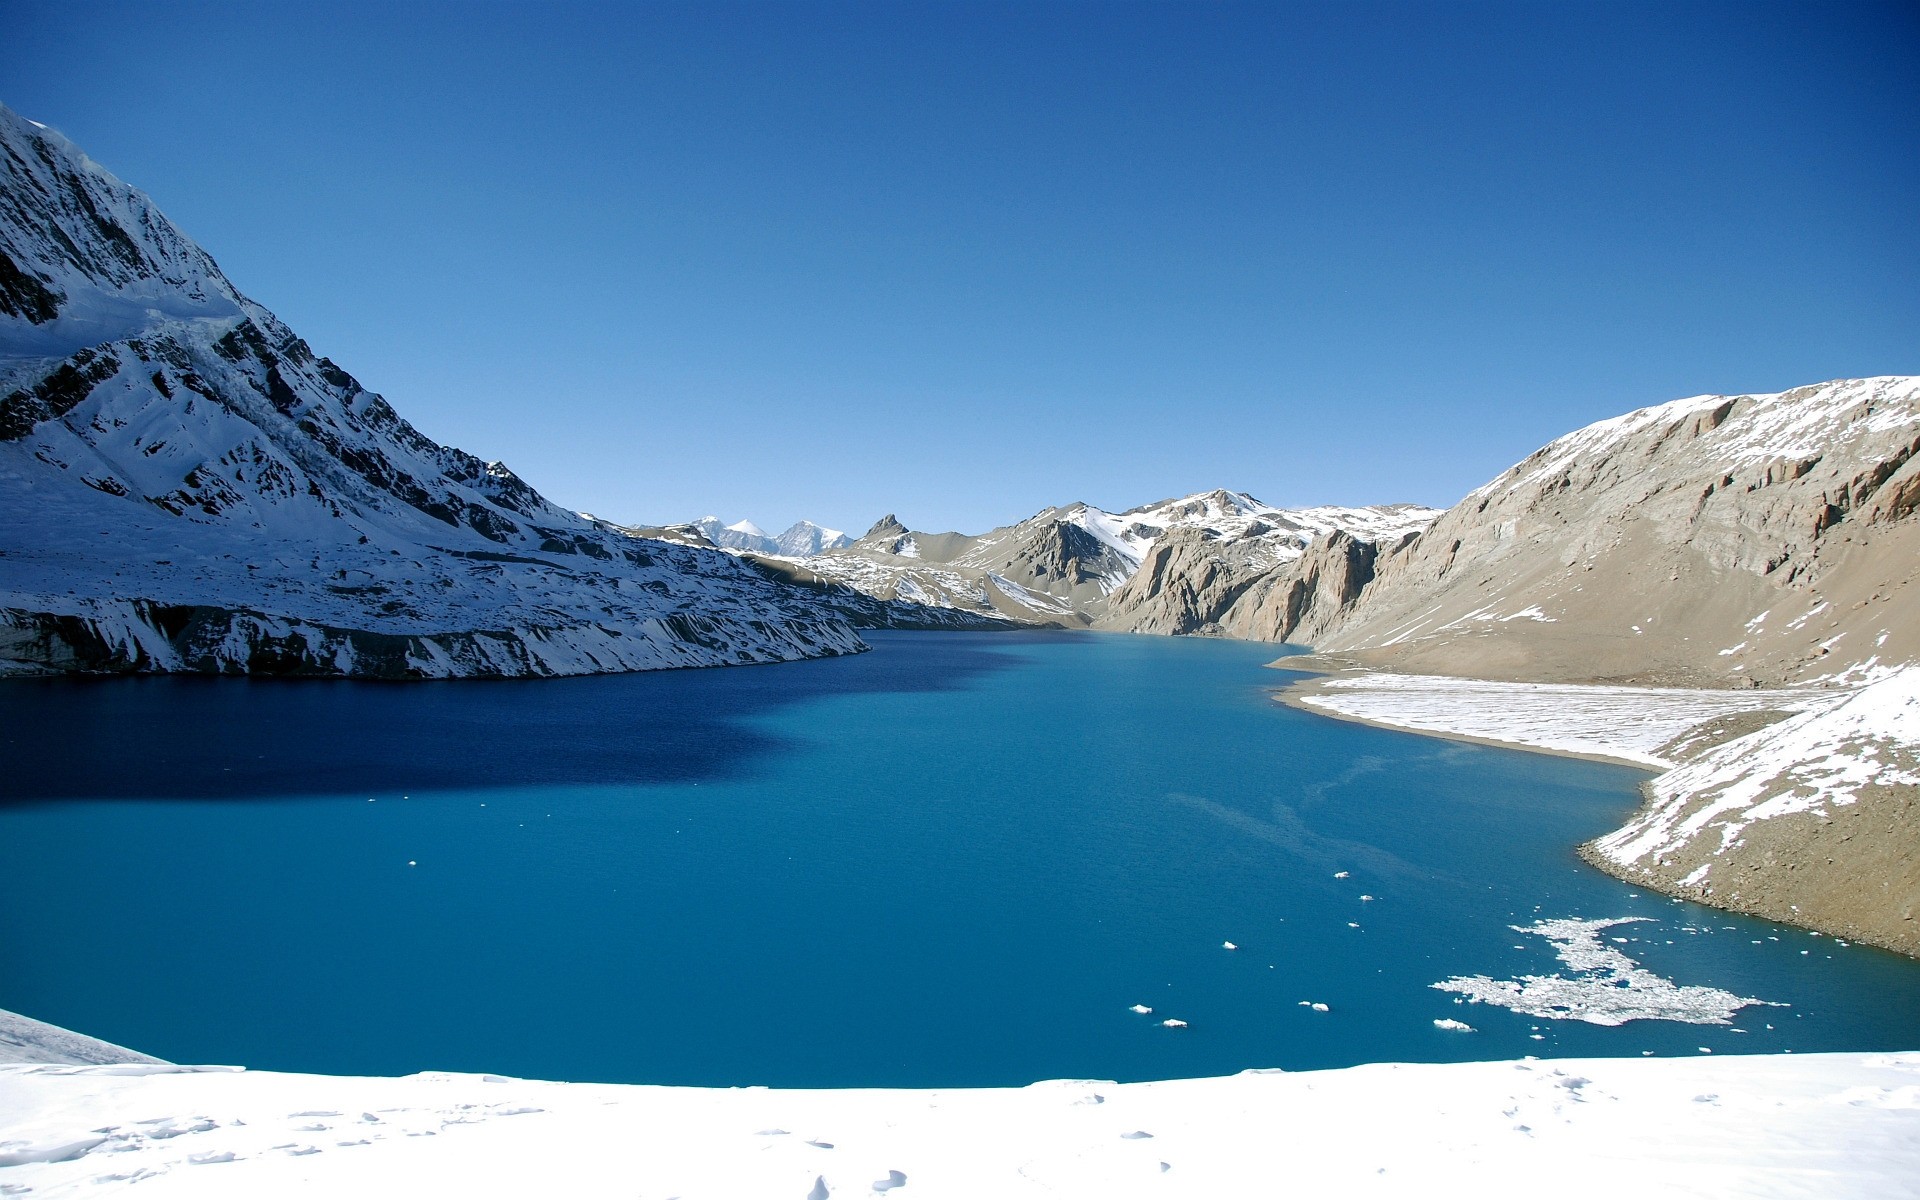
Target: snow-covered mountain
802 538
1061 566
185 485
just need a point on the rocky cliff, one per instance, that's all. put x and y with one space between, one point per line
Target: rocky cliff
1194 582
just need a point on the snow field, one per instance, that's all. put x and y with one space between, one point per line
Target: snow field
1830 1124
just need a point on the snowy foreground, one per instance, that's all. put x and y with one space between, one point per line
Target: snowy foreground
1799 1125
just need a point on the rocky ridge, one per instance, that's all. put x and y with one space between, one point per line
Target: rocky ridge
186 486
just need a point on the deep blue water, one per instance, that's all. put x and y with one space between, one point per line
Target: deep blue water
956 860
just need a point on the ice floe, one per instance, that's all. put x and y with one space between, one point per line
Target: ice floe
1603 985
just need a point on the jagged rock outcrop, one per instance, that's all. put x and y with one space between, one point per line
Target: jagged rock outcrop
1713 541
186 486
1188 580
1194 583
1301 601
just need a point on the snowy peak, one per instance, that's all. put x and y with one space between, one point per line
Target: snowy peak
84 258
802 538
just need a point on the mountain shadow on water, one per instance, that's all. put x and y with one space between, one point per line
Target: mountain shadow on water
183 737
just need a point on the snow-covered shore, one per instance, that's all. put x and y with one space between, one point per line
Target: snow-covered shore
1801 1125
1619 724
1793 804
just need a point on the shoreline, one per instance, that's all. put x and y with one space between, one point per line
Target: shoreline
1751 799
1297 695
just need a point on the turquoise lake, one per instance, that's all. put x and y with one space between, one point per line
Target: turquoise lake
957 860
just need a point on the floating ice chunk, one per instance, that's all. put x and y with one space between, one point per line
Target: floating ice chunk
1174 1023
1365 898
1315 1005
1228 946
1142 1009
1604 987
1456 1026
1340 874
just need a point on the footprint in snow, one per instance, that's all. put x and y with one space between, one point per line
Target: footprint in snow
893 1180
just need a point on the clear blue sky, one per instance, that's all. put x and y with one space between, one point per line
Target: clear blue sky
963 261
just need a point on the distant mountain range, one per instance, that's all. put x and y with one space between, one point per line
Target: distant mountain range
1070 565
802 538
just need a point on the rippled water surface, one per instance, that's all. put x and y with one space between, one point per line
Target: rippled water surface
957 860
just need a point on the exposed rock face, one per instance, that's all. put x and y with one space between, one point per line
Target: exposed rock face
1186 583
1714 541
185 485
1300 601
1195 583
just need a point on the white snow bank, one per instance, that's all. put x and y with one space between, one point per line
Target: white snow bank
1806 764
1625 723
1827 1124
